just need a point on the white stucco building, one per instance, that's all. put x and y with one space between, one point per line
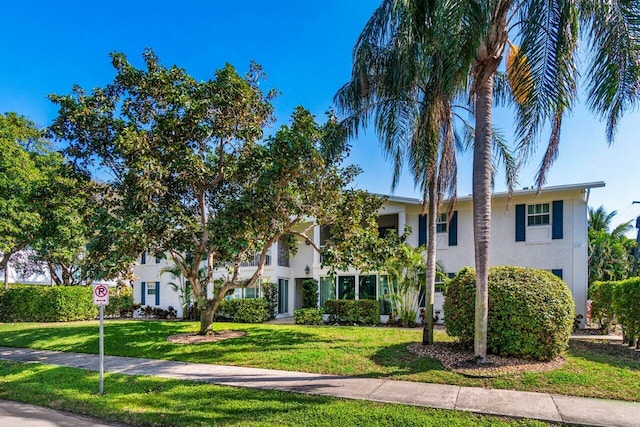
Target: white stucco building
545 230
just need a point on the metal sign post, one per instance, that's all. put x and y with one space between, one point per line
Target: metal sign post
102 349
101 298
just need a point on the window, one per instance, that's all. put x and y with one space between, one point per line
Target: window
327 289
384 294
151 288
347 287
538 214
367 287
143 258
441 223
387 224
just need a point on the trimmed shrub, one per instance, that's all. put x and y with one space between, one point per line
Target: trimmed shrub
308 316
120 302
626 306
601 296
366 312
245 310
47 304
310 293
531 312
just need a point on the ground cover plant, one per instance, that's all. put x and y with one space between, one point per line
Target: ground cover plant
159 402
358 351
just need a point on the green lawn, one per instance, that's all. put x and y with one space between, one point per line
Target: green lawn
357 351
147 401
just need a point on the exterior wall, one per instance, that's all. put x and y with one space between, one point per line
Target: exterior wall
539 250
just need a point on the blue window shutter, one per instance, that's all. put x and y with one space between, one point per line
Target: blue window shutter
453 229
143 258
157 260
521 213
557 272
143 293
157 293
556 221
422 229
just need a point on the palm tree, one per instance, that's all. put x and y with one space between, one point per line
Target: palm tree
473 38
548 34
409 101
402 82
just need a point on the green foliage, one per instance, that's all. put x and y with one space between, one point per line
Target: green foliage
120 302
617 300
626 306
366 312
601 295
308 316
407 269
47 304
44 202
270 293
245 310
530 311
310 293
191 178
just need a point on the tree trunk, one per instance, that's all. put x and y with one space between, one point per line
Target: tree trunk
206 318
482 172
427 332
5 266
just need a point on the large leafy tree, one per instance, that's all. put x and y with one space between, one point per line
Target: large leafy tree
42 204
188 176
20 180
64 203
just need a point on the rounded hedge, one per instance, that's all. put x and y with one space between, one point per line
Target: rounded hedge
531 311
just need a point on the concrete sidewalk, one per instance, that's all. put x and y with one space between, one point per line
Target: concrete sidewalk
25 415
541 406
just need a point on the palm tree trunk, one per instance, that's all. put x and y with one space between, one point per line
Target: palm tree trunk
427 333
482 171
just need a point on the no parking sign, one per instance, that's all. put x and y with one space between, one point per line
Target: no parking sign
100 294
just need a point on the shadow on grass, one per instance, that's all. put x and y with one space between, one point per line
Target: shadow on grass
147 339
146 400
613 354
399 361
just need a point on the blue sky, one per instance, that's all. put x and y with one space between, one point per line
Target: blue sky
305 49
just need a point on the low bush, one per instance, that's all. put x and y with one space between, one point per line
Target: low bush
47 304
626 306
531 312
120 302
601 296
308 316
310 293
366 312
245 310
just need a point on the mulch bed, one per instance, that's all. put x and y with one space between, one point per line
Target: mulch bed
194 338
458 360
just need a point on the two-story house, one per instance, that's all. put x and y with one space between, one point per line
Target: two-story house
546 230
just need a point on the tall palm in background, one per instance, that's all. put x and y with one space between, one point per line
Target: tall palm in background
611 252
548 34
428 45
401 83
